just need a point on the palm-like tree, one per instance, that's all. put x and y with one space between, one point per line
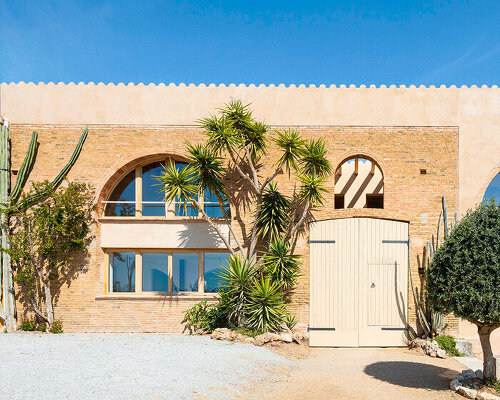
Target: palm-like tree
234 135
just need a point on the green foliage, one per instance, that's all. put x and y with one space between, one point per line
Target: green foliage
56 327
464 275
179 185
290 321
45 238
292 145
314 161
202 317
236 281
281 265
492 383
28 325
274 214
266 307
448 344
311 189
247 331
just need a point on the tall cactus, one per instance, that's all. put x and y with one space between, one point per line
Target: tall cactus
432 322
10 202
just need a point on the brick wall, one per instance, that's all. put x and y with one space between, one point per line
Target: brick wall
400 151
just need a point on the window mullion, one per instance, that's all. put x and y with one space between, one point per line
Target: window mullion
138 191
138 272
201 274
170 271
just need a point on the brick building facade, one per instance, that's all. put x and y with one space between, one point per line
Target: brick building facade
420 161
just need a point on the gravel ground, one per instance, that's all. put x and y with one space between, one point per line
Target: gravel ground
133 366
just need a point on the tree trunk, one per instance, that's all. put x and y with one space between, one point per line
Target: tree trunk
48 303
489 367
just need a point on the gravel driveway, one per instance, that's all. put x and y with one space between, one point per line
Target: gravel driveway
133 366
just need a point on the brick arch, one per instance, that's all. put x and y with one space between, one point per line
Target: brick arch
122 168
366 155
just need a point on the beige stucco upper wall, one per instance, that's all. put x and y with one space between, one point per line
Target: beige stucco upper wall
476 111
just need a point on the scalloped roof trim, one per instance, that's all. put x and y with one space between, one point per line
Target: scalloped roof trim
251 86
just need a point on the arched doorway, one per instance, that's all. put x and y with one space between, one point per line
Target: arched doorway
493 190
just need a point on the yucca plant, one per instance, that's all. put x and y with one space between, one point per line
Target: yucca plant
235 146
236 281
265 311
274 214
281 265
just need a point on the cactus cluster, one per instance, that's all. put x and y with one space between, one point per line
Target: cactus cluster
9 201
432 322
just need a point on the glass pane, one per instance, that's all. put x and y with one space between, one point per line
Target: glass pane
180 210
213 264
212 207
151 190
125 191
185 273
123 264
493 190
154 272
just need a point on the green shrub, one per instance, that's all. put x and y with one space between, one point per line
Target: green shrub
266 306
247 331
201 317
281 265
448 344
29 325
56 327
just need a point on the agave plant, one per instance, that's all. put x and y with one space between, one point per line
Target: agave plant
281 265
266 307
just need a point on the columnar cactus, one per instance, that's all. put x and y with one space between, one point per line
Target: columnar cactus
11 201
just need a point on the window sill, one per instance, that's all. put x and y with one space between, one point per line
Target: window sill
158 296
157 219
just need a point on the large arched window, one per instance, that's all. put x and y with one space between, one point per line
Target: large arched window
139 194
359 183
493 190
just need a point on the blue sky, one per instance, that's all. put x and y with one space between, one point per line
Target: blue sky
222 41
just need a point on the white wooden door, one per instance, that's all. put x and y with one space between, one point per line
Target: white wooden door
358 272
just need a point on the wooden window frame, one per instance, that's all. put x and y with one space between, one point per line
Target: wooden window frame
108 278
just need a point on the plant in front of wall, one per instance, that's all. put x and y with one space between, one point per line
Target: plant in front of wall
464 276
9 202
234 166
45 239
431 321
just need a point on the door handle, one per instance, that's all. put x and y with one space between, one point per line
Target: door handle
373 285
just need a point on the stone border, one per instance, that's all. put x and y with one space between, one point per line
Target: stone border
457 386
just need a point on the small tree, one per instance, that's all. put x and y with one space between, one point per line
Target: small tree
230 167
45 237
464 276
235 146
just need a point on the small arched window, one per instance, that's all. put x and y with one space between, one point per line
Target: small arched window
139 193
493 190
359 183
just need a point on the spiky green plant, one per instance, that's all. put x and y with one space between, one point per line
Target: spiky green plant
265 311
314 159
236 281
292 146
281 265
274 214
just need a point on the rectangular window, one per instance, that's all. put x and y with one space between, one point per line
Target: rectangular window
122 271
185 272
213 264
339 201
154 272
374 201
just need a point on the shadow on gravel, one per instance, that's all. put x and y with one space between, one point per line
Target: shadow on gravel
411 374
